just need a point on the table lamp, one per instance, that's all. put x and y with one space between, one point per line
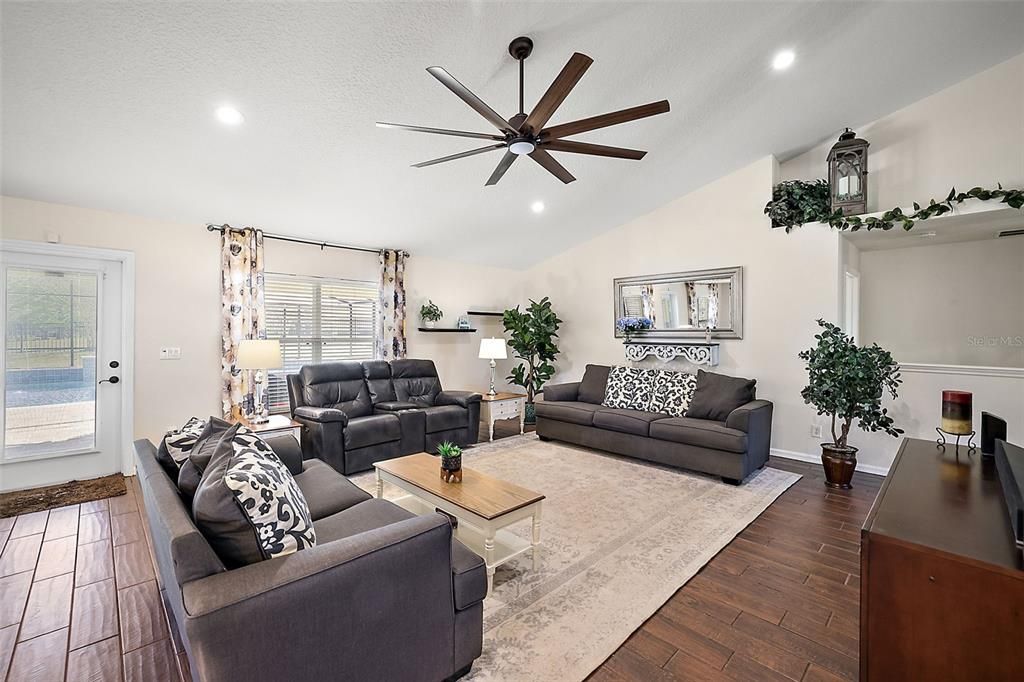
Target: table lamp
259 355
492 349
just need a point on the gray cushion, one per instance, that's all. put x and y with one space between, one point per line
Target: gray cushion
572 412
700 432
326 491
469 574
191 471
592 386
446 418
718 394
372 429
626 421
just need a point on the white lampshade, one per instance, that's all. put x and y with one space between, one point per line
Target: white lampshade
493 349
259 354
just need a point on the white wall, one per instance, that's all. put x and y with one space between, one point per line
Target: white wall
955 304
789 281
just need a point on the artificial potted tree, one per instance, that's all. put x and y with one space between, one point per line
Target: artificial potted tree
532 335
846 382
430 314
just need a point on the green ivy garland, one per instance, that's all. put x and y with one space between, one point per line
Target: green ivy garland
796 202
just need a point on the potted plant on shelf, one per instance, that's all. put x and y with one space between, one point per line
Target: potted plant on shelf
430 314
633 325
532 335
846 382
451 462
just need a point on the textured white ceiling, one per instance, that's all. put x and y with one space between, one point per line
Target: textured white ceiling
111 106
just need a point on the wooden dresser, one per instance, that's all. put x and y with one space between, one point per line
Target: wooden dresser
942 585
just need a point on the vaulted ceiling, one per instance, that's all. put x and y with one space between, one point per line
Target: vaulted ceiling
111 106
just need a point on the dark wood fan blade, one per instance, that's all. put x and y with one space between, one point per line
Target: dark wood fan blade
469 98
604 120
460 155
503 165
559 89
595 149
440 131
552 166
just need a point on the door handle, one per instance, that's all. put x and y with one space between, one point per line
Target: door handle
111 380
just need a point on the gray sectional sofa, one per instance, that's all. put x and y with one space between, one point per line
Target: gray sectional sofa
384 594
357 413
731 448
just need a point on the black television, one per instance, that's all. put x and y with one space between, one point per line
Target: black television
1010 466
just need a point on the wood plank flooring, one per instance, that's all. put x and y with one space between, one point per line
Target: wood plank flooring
79 599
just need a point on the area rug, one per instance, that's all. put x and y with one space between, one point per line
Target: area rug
619 537
53 496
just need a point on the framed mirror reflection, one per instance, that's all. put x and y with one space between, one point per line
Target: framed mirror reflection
683 305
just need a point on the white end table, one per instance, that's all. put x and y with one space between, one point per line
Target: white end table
503 406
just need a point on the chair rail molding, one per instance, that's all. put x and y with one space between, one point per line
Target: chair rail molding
697 353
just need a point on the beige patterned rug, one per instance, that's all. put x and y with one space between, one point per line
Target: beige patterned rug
619 538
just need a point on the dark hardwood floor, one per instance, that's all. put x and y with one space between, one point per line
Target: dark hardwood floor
79 599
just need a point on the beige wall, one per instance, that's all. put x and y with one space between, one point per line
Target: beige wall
966 135
954 304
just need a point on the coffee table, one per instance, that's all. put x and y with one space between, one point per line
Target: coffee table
483 505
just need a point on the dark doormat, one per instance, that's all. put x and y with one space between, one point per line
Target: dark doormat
52 496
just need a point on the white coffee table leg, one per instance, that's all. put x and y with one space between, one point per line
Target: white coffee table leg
380 486
490 423
536 536
489 560
522 419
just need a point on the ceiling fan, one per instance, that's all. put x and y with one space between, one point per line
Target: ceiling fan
525 134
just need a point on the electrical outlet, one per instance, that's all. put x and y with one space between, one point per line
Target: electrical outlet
816 430
170 353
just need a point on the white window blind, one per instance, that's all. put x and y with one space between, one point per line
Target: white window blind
317 320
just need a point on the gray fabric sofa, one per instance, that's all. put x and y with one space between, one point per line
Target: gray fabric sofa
384 595
731 449
358 413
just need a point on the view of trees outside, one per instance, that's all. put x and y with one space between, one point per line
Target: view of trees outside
51 318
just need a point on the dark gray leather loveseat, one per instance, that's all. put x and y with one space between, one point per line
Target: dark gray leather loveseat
358 413
384 595
732 449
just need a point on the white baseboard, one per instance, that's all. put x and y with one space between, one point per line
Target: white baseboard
816 459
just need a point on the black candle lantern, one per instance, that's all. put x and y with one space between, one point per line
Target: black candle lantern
848 174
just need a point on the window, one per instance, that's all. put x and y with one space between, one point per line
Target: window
317 320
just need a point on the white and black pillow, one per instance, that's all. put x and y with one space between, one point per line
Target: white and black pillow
630 388
673 392
176 444
248 505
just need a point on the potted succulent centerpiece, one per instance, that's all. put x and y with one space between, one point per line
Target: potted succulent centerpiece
451 462
847 382
430 314
532 335
630 326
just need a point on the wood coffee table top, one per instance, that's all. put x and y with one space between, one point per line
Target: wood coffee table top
478 493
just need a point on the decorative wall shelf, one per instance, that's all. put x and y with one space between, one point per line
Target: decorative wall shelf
445 329
697 353
484 313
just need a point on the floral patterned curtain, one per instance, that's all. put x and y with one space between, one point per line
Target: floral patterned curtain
391 311
691 299
242 313
713 290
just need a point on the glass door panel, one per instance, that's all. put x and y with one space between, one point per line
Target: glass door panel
50 361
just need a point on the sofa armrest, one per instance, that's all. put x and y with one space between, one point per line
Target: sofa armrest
460 398
395 406
742 417
343 605
563 392
322 415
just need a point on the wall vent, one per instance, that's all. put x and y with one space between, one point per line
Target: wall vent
1010 233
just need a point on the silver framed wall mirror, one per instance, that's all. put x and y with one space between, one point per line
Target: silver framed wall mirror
683 305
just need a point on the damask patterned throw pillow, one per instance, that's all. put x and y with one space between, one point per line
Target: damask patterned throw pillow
673 392
176 444
630 388
248 505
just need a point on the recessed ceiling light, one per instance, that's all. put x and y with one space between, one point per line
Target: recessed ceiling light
783 60
537 206
229 116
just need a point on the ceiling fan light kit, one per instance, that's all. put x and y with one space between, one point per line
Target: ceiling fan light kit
525 134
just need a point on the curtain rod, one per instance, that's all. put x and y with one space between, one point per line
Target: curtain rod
299 240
